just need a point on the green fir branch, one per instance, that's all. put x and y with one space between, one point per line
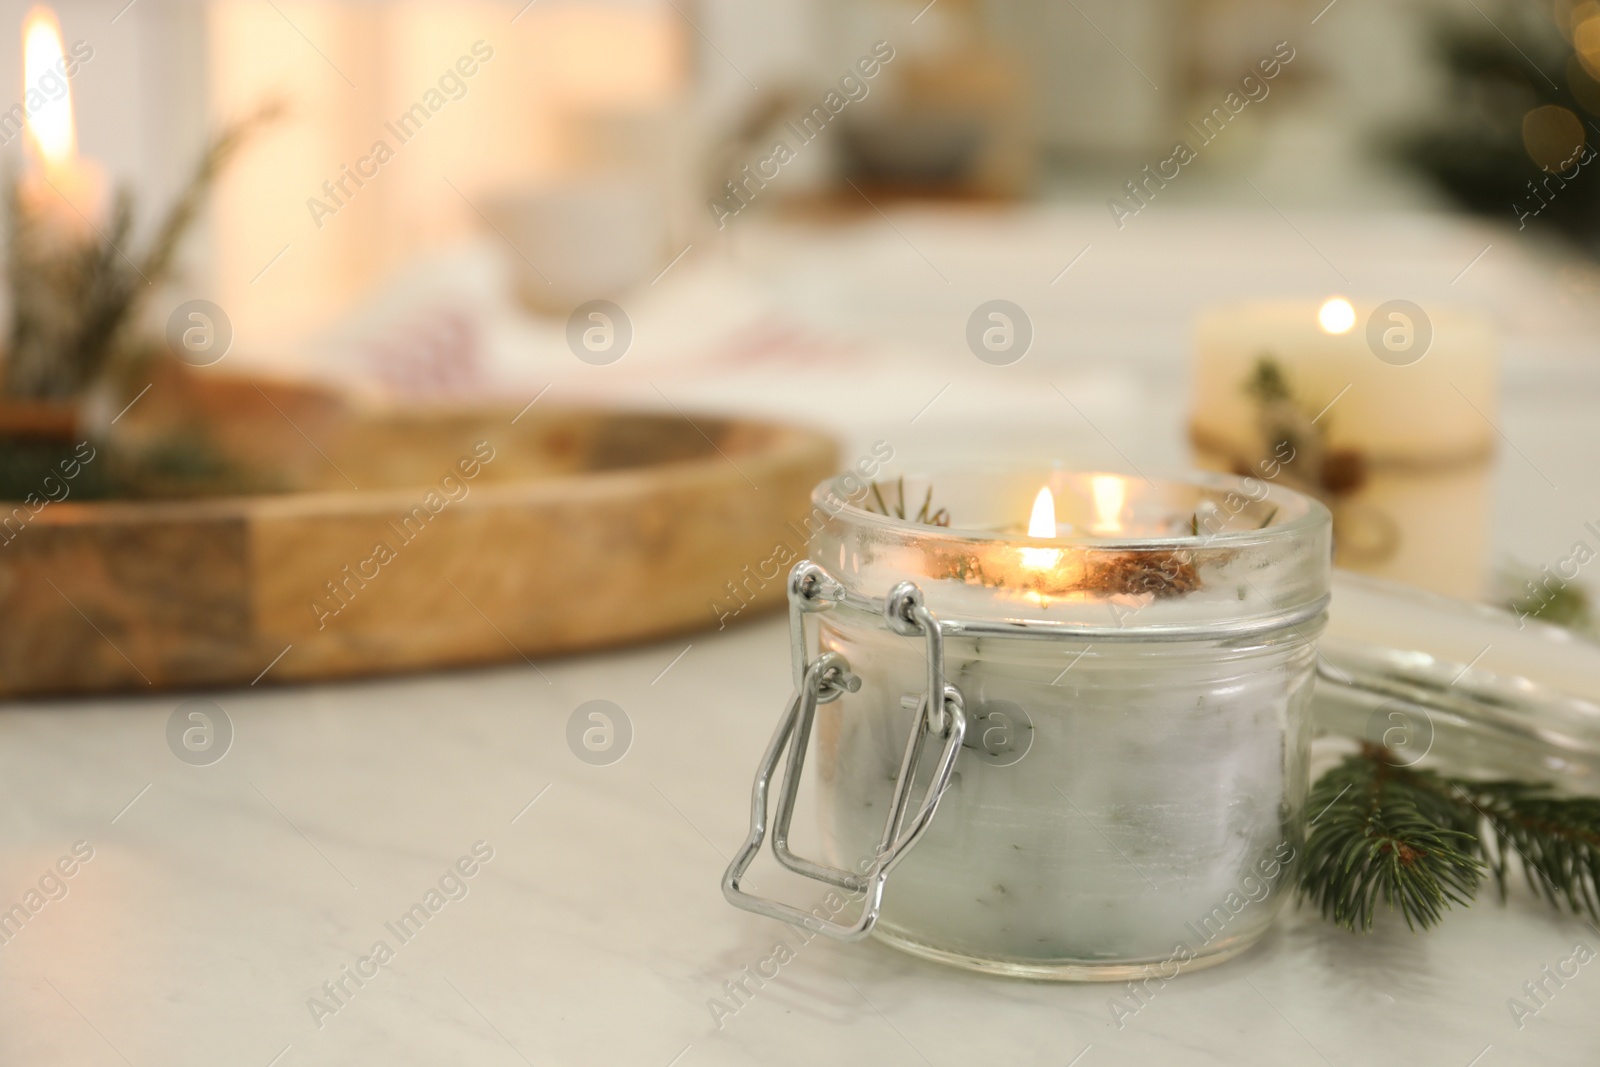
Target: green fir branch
1421 842
1382 835
1556 838
1528 593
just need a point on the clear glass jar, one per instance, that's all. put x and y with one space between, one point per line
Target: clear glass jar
1128 797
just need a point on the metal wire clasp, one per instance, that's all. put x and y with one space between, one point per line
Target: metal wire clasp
941 716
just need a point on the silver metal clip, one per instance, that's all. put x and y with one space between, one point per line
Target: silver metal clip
941 716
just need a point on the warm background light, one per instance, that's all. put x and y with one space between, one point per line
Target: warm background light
1586 35
1336 316
1553 137
564 84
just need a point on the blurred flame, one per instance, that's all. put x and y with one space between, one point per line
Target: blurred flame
1336 316
1042 523
50 127
1110 492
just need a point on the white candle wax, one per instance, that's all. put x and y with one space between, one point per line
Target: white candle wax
1118 806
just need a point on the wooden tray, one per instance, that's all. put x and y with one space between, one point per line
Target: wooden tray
566 530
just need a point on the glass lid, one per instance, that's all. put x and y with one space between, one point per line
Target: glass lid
1467 688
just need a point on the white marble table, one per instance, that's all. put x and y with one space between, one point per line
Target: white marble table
219 899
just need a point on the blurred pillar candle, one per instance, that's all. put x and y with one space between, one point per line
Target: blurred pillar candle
1384 410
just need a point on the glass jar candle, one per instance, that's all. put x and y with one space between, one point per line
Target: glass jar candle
1074 723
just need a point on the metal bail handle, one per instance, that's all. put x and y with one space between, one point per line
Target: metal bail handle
941 715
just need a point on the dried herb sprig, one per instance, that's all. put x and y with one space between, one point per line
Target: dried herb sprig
926 515
1421 842
1267 382
74 305
1293 441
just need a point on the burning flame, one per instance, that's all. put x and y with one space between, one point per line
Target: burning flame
50 127
1042 523
1110 492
